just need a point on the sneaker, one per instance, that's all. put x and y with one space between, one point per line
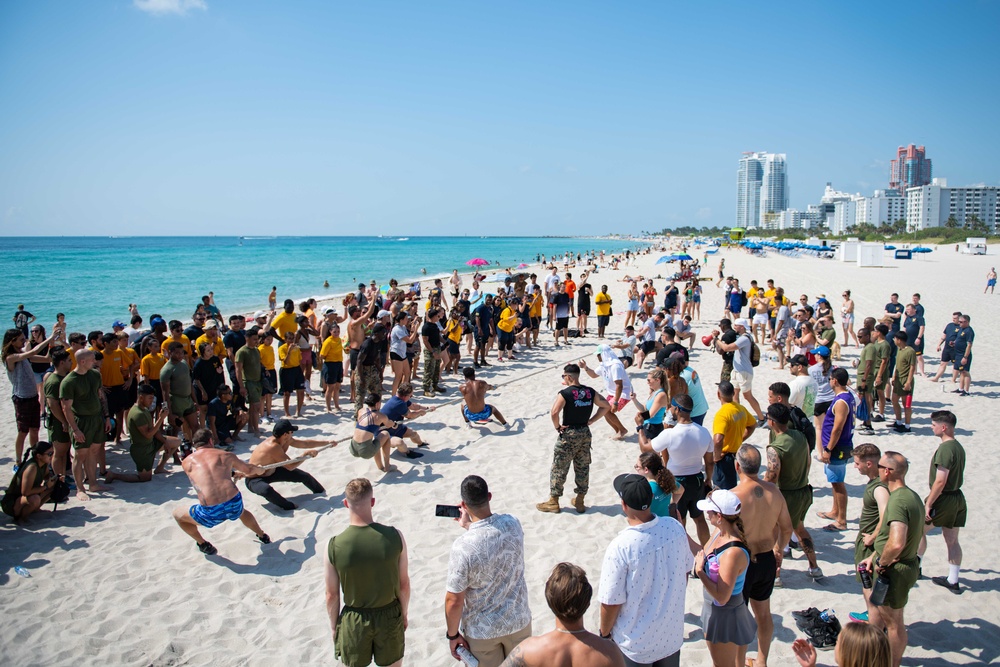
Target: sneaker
814 573
761 423
857 617
778 583
263 538
878 418
207 548
866 430
428 393
956 391
787 553
900 428
943 581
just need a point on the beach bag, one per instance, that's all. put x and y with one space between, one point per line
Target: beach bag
60 493
743 301
573 333
754 352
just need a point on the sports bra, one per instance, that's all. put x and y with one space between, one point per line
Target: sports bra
372 428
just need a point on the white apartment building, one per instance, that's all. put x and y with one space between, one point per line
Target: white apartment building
932 205
886 206
761 188
794 219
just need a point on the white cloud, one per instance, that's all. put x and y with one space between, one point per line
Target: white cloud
163 7
704 213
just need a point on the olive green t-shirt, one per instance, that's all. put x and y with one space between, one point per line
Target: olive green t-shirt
250 358
50 388
793 450
881 354
868 353
367 561
138 417
950 455
904 505
868 520
829 336
905 359
83 391
179 377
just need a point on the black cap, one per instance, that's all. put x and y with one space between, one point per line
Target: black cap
283 426
799 360
634 490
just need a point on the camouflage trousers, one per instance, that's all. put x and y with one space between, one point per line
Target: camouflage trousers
432 371
367 381
727 372
573 446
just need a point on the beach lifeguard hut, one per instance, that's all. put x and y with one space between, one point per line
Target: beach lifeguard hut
975 245
736 234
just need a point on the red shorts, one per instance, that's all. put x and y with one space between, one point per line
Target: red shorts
622 402
27 413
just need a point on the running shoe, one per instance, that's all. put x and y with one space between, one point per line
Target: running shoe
878 418
943 581
858 617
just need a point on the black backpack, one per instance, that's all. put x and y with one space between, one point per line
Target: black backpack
743 302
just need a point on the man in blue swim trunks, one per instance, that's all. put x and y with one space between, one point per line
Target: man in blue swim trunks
211 473
474 407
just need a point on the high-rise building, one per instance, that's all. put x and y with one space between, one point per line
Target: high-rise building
931 205
910 169
761 187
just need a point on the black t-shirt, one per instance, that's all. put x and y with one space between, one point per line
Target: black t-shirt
369 352
219 410
670 298
208 373
234 340
579 405
911 325
194 333
432 332
894 308
663 356
583 296
485 315
21 318
729 337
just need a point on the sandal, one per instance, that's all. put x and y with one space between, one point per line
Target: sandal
207 548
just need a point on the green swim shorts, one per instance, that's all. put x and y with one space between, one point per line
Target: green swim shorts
364 450
253 391
93 431
363 634
950 510
799 501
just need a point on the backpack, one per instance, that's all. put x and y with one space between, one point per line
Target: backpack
754 352
743 302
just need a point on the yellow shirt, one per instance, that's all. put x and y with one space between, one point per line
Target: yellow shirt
151 364
333 349
294 359
129 358
731 421
111 368
769 294
507 319
284 323
183 340
535 309
266 356
603 304
777 303
218 346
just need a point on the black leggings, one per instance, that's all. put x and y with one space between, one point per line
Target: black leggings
262 485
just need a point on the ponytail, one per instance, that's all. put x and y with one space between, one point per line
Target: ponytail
738 522
663 477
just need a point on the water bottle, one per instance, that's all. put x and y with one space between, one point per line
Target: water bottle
23 571
879 589
713 570
827 615
866 577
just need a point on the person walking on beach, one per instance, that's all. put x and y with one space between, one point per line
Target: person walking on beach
211 473
945 505
369 561
731 427
643 578
571 415
474 406
568 595
834 446
873 502
895 554
991 280
902 383
486 603
768 528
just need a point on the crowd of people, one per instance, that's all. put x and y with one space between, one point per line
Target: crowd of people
165 389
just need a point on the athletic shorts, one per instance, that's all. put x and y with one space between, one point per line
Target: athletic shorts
453 348
92 427
742 382
482 416
292 380
836 473
760 318
117 399
364 450
950 510
902 576
622 402
27 413
354 359
370 635
562 323
947 354
694 490
584 310
724 475
603 320
759 582
536 322
396 357
966 367
798 501
648 346
254 391
182 406
210 516
333 372
819 409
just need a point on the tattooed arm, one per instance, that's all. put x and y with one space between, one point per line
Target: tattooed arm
773 466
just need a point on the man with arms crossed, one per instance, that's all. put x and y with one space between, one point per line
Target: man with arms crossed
211 473
568 594
175 383
873 502
369 562
763 511
945 505
486 604
895 552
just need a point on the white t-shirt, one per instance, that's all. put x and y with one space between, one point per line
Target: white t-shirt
687 445
550 283
803 392
613 372
741 357
824 392
487 564
629 349
645 570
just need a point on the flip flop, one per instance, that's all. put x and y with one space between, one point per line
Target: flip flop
832 528
826 515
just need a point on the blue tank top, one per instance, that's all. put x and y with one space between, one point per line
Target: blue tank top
660 414
840 450
713 558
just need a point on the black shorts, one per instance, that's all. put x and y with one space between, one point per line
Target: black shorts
583 310
724 476
333 372
536 322
395 357
694 490
117 399
820 409
626 362
648 346
947 354
292 380
354 359
759 582
453 348
269 382
562 323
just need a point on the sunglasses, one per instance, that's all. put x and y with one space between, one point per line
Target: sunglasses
882 467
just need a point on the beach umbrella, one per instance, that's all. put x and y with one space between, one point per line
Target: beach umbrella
684 257
890 247
477 261
497 278
522 265
922 249
666 259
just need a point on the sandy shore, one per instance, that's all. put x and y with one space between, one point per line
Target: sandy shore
114 581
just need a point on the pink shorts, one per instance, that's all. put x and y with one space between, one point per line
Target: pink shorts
622 402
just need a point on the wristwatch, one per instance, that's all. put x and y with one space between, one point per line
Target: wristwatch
453 637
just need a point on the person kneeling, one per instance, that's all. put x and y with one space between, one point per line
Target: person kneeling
146 438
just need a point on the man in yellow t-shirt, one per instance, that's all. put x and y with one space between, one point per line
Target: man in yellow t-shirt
114 371
505 333
212 337
291 376
284 322
332 354
732 425
602 303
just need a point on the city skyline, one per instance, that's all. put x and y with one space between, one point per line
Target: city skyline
214 117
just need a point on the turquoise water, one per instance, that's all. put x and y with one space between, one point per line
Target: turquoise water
93 279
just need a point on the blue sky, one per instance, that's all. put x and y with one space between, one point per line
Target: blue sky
248 117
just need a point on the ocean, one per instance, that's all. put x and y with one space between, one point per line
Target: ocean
93 279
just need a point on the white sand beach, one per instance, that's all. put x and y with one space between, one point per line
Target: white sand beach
115 581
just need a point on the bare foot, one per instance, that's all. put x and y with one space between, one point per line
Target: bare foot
159 470
389 468
98 488
82 497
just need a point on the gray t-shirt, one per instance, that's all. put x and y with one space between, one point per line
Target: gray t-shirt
741 358
487 564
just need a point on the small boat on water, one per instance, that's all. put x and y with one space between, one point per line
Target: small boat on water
403 238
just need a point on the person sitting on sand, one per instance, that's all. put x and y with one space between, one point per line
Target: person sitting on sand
369 440
275 450
211 473
146 436
474 406
32 484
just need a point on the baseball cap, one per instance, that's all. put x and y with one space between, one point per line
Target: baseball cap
742 322
283 426
822 351
634 490
378 329
211 324
259 314
157 320
118 324
382 313
329 311
722 502
799 360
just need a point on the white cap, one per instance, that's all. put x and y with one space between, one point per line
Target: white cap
721 501
259 314
382 313
742 322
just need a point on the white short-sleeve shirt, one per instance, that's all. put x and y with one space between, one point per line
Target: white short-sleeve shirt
687 445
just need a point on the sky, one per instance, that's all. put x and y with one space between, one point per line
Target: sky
236 117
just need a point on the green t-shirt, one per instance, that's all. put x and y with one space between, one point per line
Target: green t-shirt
904 505
138 417
793 451
950 455
881 354
179 377
50 388
829 336
905 360
868 353
250 358
367 561
83 390
869 507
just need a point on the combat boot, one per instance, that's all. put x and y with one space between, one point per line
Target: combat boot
551 505
578 503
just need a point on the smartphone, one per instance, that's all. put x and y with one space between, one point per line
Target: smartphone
449 511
